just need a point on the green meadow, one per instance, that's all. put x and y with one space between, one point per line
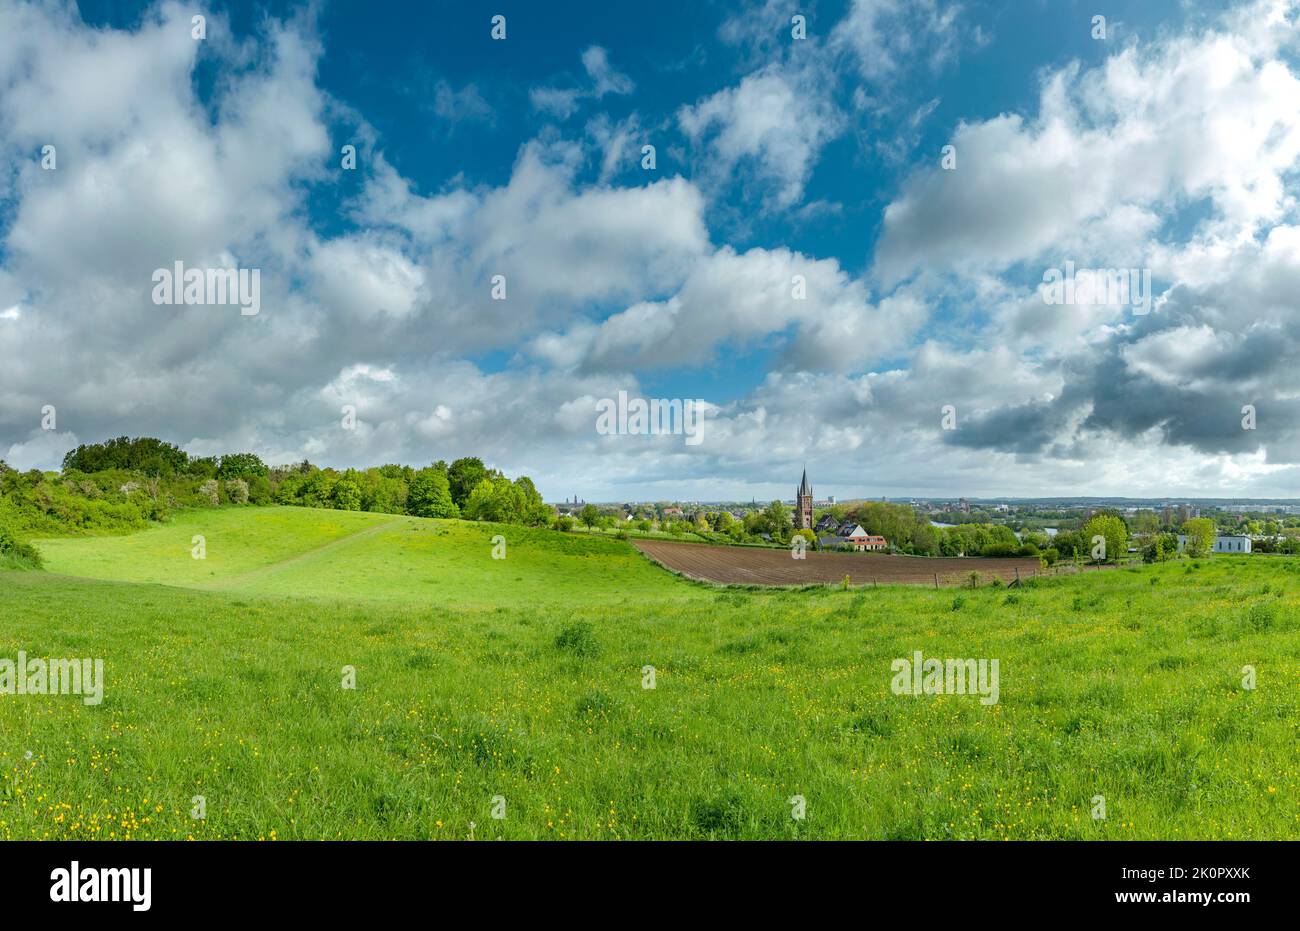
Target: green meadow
516 687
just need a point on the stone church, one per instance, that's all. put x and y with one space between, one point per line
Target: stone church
803 505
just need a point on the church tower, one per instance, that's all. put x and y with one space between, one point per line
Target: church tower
803 518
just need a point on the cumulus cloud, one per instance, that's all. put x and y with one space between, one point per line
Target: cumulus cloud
768 120
736 300
1206 118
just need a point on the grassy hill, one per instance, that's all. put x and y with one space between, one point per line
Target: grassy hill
523 678
355 556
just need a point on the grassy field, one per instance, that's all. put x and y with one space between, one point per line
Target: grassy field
521 680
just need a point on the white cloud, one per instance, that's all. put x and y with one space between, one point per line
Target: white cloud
770 122
604 77
1156 127
563 102
43 449
736 300
884 35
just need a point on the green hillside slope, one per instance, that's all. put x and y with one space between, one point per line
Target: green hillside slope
524 679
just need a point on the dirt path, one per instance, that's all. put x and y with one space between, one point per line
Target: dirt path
307 556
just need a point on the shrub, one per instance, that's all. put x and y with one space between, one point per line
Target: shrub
210 492
15 554
237 491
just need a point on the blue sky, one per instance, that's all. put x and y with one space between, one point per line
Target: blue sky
776 157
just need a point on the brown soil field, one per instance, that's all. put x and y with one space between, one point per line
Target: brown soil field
739 565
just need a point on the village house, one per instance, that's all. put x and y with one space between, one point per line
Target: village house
828 524
851 535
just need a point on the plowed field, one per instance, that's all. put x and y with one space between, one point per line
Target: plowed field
740 565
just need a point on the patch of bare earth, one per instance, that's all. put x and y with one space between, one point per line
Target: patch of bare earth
739 565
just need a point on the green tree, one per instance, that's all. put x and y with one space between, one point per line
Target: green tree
589 515
143 454
496 499
383 494
318 489
1200 536
775 520
430 495
346 495
464 476
1111 529
241 465
533 511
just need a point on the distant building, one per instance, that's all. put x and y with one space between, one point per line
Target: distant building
803 505
852 535
827 524
1227 543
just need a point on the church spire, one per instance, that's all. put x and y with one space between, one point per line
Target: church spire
804 503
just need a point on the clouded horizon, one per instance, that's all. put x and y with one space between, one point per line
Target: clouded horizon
840 248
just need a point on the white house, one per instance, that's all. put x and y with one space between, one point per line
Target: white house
851 534
1222 544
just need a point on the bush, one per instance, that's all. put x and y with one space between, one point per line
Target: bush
1005 550
237 491
15 554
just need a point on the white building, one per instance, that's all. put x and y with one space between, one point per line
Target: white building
1222 544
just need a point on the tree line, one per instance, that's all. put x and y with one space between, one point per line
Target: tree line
123 483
